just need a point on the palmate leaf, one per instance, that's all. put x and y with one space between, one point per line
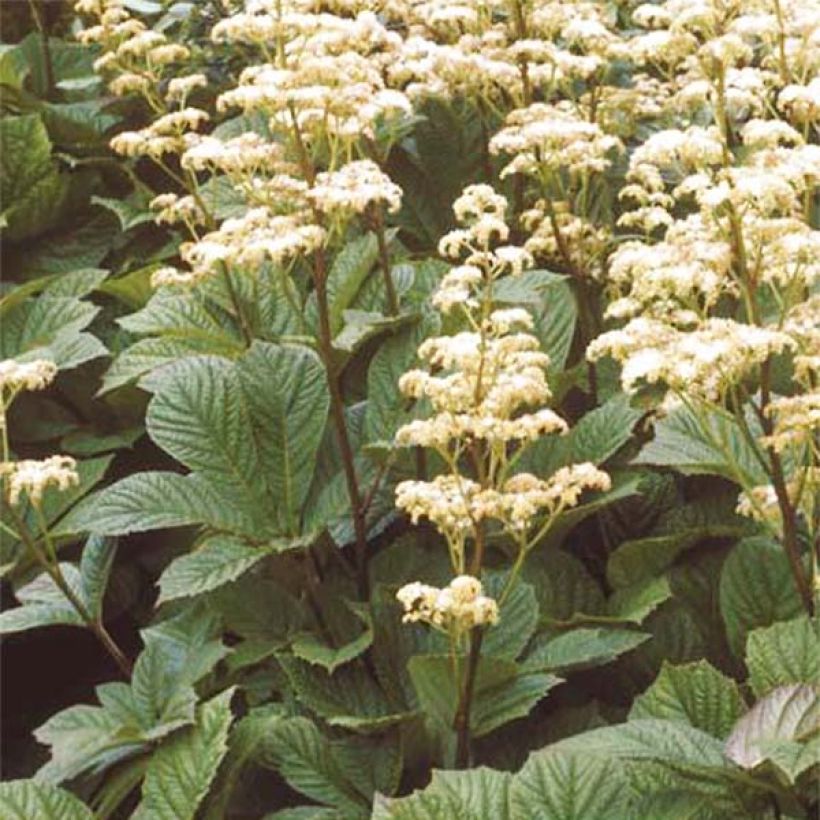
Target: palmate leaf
477 794
786 652
756 589
694 693
776 728
31 800
182 769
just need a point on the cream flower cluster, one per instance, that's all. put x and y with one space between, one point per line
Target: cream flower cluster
34 477
34 375
703 362
487 388
458 608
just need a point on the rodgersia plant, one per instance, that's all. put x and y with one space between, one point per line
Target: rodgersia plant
475 348
487 387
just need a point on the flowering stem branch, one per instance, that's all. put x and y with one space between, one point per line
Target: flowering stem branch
95 625
384 259
461 722
337 409
787 511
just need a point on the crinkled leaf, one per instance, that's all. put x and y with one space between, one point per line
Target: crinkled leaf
786 652
756 589
558 785
581 648
476 794
694 693
182 769
286 392
31 800
787 715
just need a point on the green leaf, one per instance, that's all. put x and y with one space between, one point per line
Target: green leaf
154 500
31 800
475 794
311 648
347 274
786 652
199 416
304 757
503 691
287 396
704 443
179 316
581 648
787 716
349 697
676 531
182 769
596 436
694 693
518 618
95 567
147 355
216 561
32 190
756 589
50 327
635 602
43 604
558 785
387 409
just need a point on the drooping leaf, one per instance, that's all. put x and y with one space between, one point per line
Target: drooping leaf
95 567
785 652
694 693
756 589
182 769
32 800
776 727
43 604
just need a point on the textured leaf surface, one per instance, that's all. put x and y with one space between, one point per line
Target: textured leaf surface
694 693
43 604
581 648
787 652
786 714
303 756
477 794
756 589
181 770
556 785
286 392
153 500
702 444
217 561
31 800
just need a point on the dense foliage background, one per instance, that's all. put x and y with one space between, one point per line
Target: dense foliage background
509 309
